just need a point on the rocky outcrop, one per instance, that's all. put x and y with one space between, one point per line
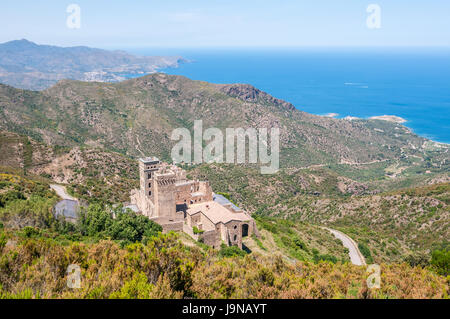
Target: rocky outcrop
248 93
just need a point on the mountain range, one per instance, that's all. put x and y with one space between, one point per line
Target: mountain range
136 117
27 65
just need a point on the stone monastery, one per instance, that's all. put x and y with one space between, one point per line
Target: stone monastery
167 197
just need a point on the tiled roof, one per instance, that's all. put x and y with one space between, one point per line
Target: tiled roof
216 212
149 159
224 201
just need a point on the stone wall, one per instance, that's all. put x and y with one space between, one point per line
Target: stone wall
174 226
211 238
144 204
234 229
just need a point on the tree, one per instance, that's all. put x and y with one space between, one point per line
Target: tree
440 261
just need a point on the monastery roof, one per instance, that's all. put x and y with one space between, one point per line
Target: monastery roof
149 159
224 201
197 194
216 212
180 183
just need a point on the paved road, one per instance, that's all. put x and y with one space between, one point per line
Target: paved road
355 255
61 191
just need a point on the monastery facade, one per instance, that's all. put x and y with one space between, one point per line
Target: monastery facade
167 197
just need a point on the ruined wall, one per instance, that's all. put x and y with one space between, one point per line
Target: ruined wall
183 193
175 226
253 230
211 238
235 232
206 189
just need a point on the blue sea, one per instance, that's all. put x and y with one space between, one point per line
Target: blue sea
412 83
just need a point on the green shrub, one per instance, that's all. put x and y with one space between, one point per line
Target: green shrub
11 196
29 231
126 227
325 257
197 231
300 244
365 251
3 241
36 209
440 261
417 260
231 251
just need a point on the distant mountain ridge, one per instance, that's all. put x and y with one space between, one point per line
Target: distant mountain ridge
27 65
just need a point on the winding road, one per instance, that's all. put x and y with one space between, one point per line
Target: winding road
61 192
355 255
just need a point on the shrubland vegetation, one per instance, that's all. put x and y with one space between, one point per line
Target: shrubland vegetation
300 241
128 257
164 268
390 225
355 176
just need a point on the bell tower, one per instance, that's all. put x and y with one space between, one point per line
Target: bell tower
147 168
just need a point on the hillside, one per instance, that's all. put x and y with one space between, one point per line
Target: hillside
127 257
392 225
138 115
28 65
34 267
374 180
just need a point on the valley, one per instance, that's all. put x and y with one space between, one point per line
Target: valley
372 180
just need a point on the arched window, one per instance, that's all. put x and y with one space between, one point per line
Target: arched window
244 230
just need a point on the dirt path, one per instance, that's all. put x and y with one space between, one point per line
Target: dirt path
355 255
61 191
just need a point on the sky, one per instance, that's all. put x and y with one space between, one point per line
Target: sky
228 23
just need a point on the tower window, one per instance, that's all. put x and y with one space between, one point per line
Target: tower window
149 193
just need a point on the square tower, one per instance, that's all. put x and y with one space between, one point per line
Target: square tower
147 168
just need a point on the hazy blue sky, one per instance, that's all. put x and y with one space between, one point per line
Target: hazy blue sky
210 23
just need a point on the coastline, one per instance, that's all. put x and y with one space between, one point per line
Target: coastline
395 85
388 118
